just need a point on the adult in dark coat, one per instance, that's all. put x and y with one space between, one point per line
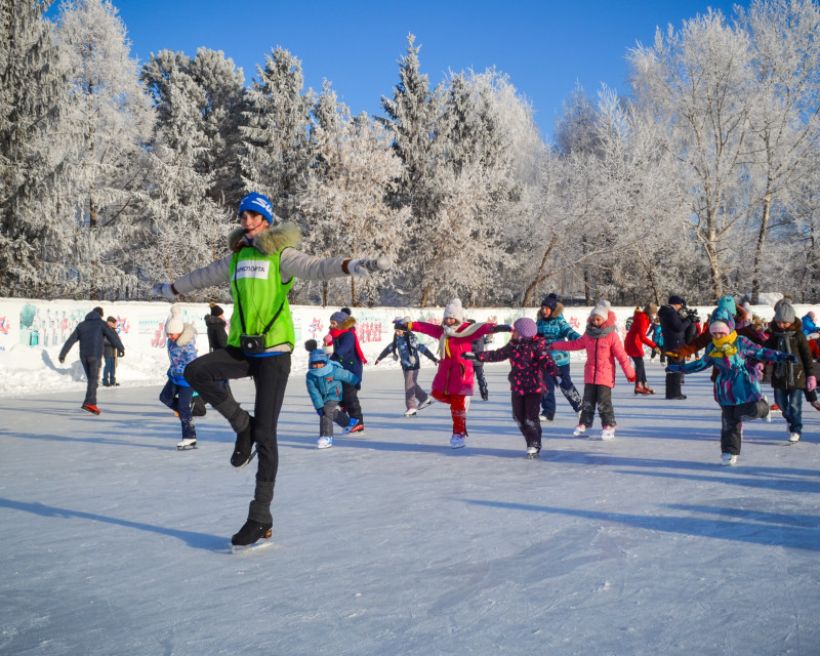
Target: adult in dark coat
90 335
674 325
217 333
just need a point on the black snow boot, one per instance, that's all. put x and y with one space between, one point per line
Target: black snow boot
241 455
251 532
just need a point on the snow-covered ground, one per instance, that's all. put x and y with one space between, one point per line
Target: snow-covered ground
391 543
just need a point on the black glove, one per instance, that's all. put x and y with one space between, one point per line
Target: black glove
502 328
376 362
121 353
61 359
469 355
320 412
436 360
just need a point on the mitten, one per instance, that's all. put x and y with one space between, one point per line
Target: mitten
61 359
320 412
631 378
469 355
811 383
164 290
121 353
502 328
376 362
364 267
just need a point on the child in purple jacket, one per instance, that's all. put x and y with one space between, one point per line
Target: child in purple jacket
529 361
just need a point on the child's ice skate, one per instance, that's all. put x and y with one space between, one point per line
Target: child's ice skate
533 450
325 442
457 441
410 412
728 459
794 437
427 402
250 533
186 443
579 431
608 433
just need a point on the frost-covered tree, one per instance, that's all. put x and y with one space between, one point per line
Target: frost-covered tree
345 205
698 81
33 181
784 119
277 153
183 228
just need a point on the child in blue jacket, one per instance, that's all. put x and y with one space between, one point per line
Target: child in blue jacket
737 389
324 381
177 393
553 328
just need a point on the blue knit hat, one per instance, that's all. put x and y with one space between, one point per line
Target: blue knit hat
339 317
726 304
256 202
550 301
317 355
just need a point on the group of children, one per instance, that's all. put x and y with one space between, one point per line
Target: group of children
539 361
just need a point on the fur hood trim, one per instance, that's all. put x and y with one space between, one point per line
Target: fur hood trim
187 335
272 240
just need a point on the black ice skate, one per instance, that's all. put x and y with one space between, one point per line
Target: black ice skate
242 450
251 532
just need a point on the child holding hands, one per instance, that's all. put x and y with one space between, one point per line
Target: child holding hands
529 362
324 382
603 346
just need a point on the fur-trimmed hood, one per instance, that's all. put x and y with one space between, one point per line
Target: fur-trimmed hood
555 314
272 240
348 323
187 335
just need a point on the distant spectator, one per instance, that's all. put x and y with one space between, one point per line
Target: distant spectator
110 357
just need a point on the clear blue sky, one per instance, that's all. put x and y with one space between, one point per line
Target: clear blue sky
544 47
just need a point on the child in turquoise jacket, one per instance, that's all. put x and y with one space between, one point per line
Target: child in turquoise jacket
324 384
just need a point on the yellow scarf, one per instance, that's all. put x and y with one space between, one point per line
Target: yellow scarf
724 347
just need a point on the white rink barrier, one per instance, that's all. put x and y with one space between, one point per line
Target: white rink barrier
32 332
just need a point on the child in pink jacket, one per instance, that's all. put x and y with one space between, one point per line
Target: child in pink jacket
603 346
454 380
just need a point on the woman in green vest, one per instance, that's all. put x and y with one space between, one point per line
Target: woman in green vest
261 269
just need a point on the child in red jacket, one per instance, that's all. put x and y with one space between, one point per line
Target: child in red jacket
603 346
529 362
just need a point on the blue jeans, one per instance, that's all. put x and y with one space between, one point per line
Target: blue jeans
791 404
108 370
567 389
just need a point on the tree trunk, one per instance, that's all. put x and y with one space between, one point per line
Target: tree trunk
540 276
761 243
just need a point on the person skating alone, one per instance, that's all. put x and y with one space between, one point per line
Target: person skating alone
89 333
324 381
405 347
177 393
261 269
737 388
603 347
530 365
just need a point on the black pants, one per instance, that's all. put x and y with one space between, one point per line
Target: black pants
481 379
674 381
350 402
732 420
525 409
640 370
91 366
270 377
599 395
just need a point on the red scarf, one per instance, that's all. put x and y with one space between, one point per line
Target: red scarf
335 332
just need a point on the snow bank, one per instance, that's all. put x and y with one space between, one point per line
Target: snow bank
32 333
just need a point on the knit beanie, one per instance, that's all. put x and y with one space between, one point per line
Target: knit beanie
315 354
601 309
216 311
719 327
339 317
783 311
173 324
674 299
550 301
727 305
256 202
525 327
453 309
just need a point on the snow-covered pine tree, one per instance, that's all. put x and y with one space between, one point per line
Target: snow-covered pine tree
344 207
276 154
184 228
33 99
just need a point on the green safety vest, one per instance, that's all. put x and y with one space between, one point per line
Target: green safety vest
257 283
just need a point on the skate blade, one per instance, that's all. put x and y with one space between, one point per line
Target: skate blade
189 447
247 462
240 550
